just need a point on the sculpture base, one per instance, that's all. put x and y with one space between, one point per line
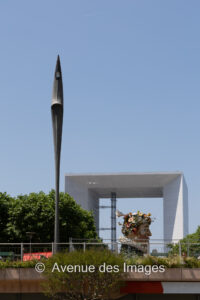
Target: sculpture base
134 247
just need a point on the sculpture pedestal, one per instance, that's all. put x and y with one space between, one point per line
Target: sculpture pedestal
134 247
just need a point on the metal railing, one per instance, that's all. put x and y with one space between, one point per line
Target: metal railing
162 248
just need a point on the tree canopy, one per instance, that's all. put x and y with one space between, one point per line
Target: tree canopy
35 213
5 203
190 244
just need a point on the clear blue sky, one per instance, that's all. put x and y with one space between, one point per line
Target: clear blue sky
131 72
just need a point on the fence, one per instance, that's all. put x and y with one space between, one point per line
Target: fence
28 251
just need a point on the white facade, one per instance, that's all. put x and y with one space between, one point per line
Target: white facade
87 189
175 209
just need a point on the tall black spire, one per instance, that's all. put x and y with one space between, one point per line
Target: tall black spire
57 121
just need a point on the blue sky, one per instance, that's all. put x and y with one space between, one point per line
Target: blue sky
131 74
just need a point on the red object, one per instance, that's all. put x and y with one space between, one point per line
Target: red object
36 255
138 287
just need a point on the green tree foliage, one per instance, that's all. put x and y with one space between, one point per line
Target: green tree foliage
190 245
5 202
78 284
35 213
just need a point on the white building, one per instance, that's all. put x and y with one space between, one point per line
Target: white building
87 189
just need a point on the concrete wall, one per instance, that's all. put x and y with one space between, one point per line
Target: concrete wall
175 209
23 296
25 284
84 197
185 207
78 191
175 204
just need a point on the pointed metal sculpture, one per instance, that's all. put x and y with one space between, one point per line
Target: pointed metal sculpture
57 121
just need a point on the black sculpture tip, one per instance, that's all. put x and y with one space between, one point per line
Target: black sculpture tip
58 59
57 96
58 73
